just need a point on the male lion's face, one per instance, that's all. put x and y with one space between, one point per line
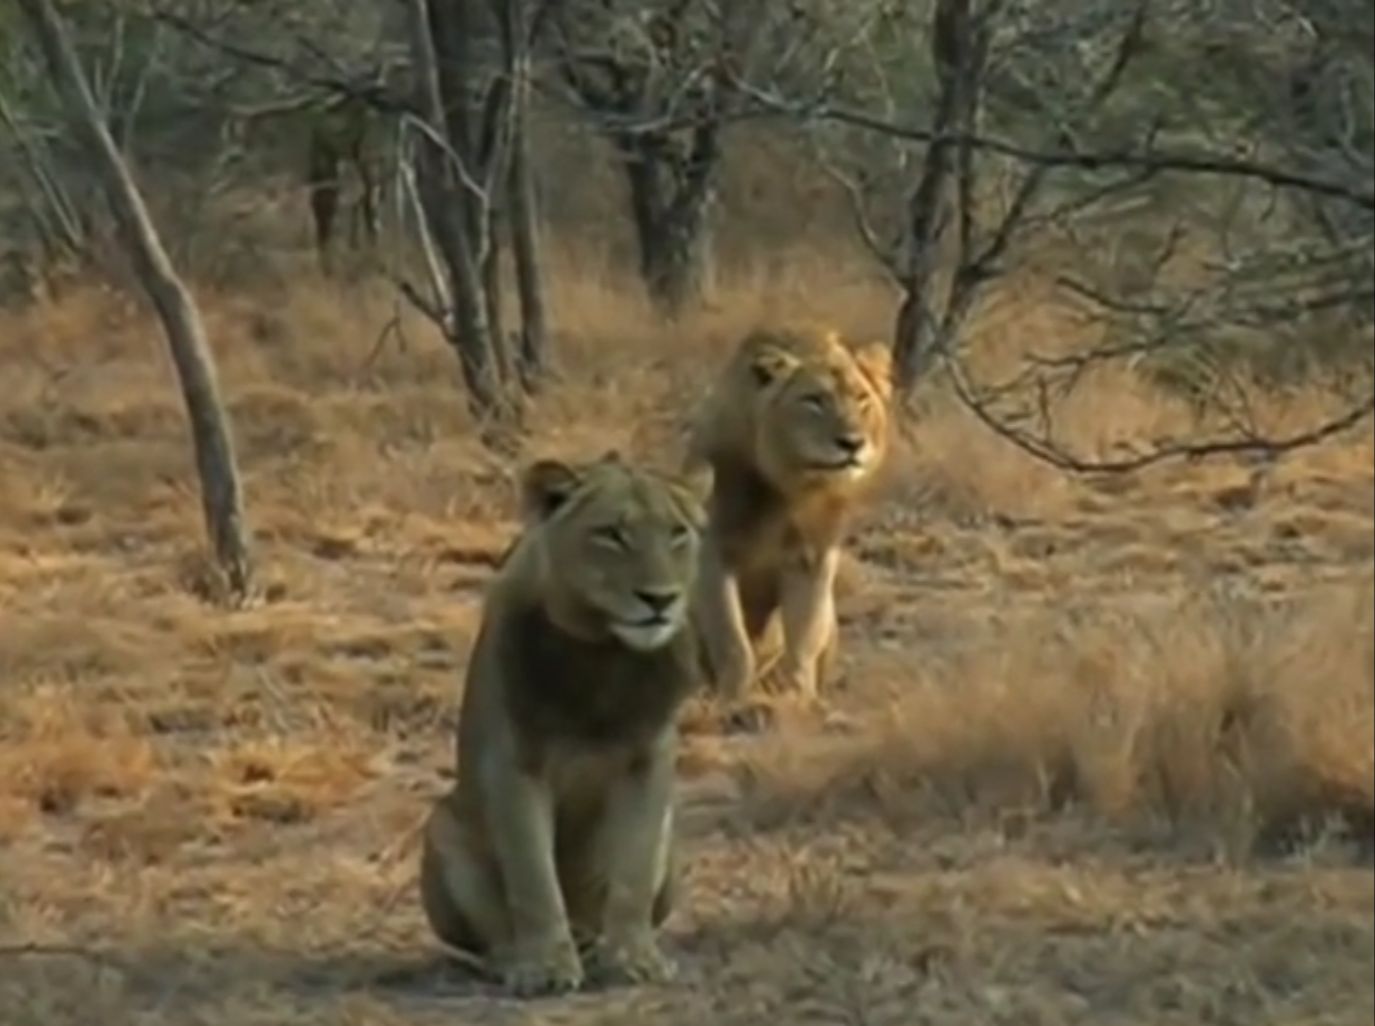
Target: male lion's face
620 542
823 415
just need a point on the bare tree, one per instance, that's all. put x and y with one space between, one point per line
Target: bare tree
661 82
221 496
53 228
344 142
1221 221
652 62
519 32
463 164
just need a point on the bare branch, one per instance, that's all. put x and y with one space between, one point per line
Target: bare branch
1157 161
365 88
1043 448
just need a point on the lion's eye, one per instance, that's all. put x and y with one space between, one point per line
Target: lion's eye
814 402
680 535
612 537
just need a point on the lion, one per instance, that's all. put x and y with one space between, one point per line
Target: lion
551 859
796 428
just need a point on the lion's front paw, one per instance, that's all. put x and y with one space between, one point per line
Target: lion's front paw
798 682
549 967
631 959
753 716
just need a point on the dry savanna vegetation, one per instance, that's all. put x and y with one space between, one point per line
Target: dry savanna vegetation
1101 749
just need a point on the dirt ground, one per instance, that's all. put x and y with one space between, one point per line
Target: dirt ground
1102 750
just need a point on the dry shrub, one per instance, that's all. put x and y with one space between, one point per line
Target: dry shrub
1222 717
57 752
360 458
288 783
86 643
948 465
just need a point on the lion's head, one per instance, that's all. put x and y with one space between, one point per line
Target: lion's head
818 409
617 546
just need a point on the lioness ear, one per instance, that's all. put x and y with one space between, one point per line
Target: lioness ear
544 487
696 480
771 363
875 361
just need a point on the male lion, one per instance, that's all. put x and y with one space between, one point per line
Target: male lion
554 846
797 425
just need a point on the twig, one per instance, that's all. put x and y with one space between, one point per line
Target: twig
33 949
1159 161
393 326
431 313
371 93
1042 448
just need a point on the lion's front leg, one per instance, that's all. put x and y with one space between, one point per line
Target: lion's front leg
807 607
460 890
721 621
541 956
634 847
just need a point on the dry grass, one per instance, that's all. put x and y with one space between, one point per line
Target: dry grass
1102 753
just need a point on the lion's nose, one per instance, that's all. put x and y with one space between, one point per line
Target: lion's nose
850 444
657 600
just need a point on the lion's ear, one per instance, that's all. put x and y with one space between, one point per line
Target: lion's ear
691 490
544 487
875 361
771 363
696 480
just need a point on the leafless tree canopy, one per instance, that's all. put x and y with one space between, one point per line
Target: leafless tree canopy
1197 176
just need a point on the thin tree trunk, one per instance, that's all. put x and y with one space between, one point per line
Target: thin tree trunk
469 331
491 297
323 176
670 199
526 245
221 495
410 196
928 209
523 219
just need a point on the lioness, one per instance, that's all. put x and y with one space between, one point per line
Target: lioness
797 425
554 846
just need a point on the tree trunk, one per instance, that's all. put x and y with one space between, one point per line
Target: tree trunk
447 205
323 186
672 187
492 296
523 221
958 46
526 249
221 495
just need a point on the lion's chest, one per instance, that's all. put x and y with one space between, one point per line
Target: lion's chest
763 532
567 693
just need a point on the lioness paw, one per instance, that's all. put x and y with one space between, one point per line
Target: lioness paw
749 717
796 681
631 960
546 969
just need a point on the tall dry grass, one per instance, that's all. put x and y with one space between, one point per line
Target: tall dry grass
357 449
1043 676
1232 724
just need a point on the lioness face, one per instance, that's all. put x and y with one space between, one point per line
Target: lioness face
823 416
620 542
